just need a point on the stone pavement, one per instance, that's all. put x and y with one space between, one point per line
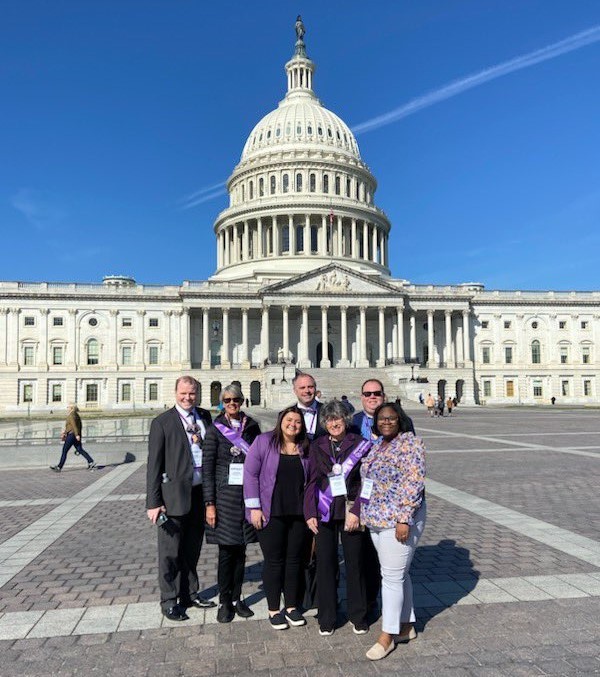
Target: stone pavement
507 575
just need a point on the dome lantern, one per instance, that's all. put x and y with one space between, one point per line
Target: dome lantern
300 68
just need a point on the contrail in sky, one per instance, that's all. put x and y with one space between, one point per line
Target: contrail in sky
569 44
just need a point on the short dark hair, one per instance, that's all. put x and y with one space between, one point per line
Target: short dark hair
302 439
403 420
374 380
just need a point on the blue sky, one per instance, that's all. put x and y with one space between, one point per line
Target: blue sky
114 112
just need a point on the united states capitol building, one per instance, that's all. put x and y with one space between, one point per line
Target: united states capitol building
302 282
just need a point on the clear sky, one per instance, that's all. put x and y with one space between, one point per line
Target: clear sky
118 116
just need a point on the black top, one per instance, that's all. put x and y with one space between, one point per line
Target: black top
288 493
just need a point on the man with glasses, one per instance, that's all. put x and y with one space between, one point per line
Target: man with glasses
174 498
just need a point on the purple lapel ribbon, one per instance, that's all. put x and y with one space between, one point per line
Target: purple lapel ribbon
232 436
325 499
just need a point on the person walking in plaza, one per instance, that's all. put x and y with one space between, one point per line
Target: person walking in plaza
450 405
305 390
430 404
71 437
333 480
392 505
275 474
174 498
226 444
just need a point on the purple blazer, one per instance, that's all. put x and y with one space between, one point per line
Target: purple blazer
260 473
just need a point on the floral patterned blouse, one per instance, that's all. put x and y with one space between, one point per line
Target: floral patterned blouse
398 473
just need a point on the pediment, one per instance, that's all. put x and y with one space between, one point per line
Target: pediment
332 280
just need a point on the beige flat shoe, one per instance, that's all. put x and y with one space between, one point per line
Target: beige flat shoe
411 634
377 652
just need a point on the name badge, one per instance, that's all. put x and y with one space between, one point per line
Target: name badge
366 490
236 474
197 454
337 483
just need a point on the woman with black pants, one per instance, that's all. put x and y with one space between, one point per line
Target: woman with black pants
225 446
274 478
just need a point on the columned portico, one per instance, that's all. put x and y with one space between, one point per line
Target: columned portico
381 358
325 362
431 361
344 336
225 363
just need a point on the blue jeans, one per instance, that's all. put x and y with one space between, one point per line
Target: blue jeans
70 442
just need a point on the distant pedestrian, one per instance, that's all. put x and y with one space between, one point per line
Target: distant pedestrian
440 406
348 406
71 436
553 400
430 404
450 405
421 398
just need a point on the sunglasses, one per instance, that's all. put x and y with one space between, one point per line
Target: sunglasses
238 400
372 393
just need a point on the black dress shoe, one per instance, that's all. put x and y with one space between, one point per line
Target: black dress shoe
243 610
226 613
200 603
175 613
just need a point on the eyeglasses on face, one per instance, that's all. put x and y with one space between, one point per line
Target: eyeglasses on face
237 400
387 419
372 393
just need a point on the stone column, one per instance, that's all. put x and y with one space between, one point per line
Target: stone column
286 332
365 241
400 330
307 244
344 362
381 360
4 339
225 363
264 331
413 336
245 360
374 243
43 351
340 238
185 339
259 237
276 250
292 235
141 343
245 241
305 352
227 246
354 250
71 361
362 360
323 236
205 338
325 363
430 345
113 351
466 337
448 348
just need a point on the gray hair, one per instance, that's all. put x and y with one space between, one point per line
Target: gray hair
334 409
233 389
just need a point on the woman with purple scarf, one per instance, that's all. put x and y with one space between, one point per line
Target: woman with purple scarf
333 485
225 447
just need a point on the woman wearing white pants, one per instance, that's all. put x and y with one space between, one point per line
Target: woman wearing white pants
392 505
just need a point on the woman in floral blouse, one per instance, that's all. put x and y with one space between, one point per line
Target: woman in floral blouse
392 505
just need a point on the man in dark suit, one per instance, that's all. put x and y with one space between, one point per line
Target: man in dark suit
372 395
305 390
174 492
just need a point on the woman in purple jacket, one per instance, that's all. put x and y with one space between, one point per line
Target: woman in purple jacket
275 473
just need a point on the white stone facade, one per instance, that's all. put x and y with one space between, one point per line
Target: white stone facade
302 281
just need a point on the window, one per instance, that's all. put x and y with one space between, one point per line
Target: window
585 354
56 393
312 183
272 183
29 321
510 388
126 322
485 324
487 388
57 355
508 354
534 325
153 355
564 388
536 353
562 324
153 392
348 187
507 324
261 187
587 387
537 389
93 322
153 322
485 354
585 324
93 352
251 190
337 185
91 393
564 354
286 183
298 183
126 355
314 239
28 392
28 356
57 321
125 392
326 183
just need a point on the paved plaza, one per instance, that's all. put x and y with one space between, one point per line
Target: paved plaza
507 574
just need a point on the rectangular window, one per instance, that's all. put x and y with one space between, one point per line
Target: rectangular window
564 388
27 392
57 355
508 354
562 324
510 388
585 355
564 354
507 324
537 389
585 324
153 355
126 322
485 354
57 321
91 393
587 387
152 392
29 321
125 392
487 388
153 322
126 355
28 353
485 324
56 395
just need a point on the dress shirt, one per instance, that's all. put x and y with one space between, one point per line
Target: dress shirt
310 415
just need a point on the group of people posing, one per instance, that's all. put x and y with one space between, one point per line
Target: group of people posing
321 476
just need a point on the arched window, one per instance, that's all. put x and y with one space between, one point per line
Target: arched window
261 187
243 192
93 351
536 352
326 183
272 185
312 183
286 183
298 183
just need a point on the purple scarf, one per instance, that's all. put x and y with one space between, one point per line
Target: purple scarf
232 436
325 499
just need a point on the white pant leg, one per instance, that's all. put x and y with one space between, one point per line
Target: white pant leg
395 559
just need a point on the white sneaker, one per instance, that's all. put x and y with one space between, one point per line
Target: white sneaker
326 632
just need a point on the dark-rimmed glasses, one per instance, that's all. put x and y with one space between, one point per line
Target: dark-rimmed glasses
237 400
